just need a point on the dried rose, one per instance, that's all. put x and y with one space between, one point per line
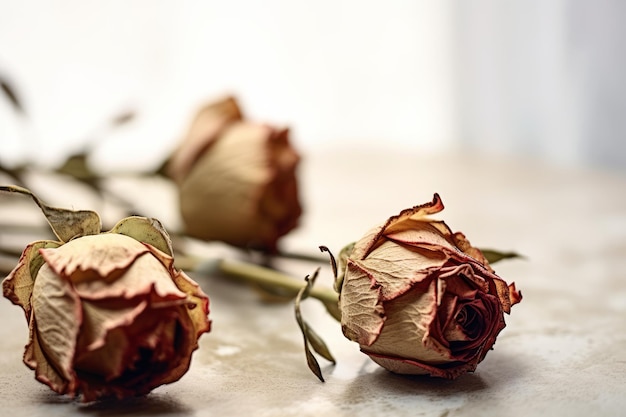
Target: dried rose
419 299
236 179
108 313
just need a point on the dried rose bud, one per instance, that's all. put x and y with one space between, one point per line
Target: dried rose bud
419 299
108 313
236 179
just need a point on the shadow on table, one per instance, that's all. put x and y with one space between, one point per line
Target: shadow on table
373 381
151 404
383 381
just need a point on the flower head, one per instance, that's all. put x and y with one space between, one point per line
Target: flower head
108 313
236 179
419 299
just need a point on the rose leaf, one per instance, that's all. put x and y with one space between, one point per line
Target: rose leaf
66 224
311 339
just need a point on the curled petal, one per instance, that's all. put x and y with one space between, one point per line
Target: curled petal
198 302
369 241
462 243
18 285
102 316
514 295
416 232
140 278
93 256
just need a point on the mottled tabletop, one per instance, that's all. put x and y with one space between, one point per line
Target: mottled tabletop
563 351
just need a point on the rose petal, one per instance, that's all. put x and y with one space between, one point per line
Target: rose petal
102 316
515 296
362 312
125 331
396 268
446 309
462 281
490 323
57 317
138 279
406 332
104 360
151 350
186 345
413 367
462 243
35 358
93 256
416 232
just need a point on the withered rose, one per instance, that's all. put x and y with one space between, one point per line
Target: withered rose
108 313
419 299
236 179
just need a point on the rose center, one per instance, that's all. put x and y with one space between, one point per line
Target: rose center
470 320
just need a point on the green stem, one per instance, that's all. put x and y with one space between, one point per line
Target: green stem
302 257
266 276
256 274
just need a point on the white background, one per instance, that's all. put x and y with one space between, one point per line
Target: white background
539 78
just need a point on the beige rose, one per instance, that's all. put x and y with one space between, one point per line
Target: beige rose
108 313
419 299
236 179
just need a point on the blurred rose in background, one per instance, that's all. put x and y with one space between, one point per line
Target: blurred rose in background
236 179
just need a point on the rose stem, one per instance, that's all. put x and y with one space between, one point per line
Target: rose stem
255 274
302 256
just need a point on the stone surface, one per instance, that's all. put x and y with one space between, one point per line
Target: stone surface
563 351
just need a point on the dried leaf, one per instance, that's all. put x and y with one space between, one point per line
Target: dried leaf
10 93
123 118
318 344
77 167
314 366
146 230
494 256
66 224
310 337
